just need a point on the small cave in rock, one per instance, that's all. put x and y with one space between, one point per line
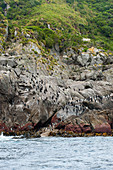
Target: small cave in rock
87 87
45 124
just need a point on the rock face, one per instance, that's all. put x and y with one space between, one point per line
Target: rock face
96 122
37 90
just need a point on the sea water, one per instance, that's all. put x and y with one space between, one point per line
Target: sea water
51 153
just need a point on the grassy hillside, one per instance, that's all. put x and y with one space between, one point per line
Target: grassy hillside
64 22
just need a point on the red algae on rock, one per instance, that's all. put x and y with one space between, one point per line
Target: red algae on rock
74 128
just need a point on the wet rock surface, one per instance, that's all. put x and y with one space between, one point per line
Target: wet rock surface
37 91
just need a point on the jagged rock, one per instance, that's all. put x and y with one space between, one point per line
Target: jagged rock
99 124
8 62
83 59
32 96
3 127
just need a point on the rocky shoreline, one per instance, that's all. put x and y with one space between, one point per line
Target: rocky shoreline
100 124
49 94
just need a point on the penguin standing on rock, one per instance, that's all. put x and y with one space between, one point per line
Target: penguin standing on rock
77 110
41 81
41 89
73 109
66 110
62 107
45 90
52 97
37 101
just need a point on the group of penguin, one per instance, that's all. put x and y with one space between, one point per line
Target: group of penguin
75 106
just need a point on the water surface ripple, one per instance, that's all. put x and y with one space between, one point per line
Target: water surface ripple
57 153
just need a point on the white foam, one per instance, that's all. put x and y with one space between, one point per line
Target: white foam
2 137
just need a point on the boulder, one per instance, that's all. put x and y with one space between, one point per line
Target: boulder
74 128
83 59
98 122
102 128
86 128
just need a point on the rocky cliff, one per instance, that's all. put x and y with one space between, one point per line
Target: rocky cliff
70 92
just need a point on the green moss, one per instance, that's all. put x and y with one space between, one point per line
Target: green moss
24 41
69 21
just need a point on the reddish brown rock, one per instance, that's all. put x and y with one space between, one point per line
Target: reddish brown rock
3 127
16 127
27 127
98 121
102 128
110 123
84 125
74 128
55 119
85 128
60 125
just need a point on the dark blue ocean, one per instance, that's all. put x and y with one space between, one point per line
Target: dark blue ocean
51 153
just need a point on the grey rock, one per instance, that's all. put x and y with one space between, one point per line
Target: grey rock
29 92
83 59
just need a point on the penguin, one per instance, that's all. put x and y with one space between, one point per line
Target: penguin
45 90
91 99
62 107
37 101
37 86
68 102
66 110
81 109
41 81
73 109
71 103
41 89
88 99
57 95
77 109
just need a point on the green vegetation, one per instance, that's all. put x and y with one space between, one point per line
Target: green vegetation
64 22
